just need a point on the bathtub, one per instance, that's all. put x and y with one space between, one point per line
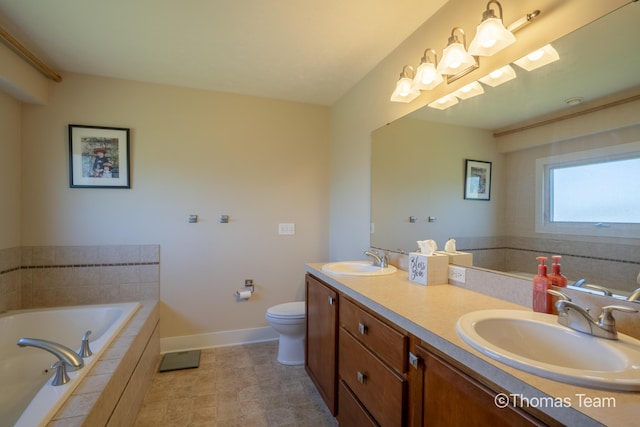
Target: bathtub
27 397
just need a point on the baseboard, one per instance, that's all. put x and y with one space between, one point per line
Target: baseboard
218 339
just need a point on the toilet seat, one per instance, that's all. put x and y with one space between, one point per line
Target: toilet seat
288 310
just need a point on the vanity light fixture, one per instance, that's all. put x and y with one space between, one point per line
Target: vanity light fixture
455 58
491 35
444 102
543 56
405 91
499 76
426 75
525 20
469 91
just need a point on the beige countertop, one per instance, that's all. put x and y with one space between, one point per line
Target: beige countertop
431 312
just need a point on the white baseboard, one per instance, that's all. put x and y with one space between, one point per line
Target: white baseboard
218 339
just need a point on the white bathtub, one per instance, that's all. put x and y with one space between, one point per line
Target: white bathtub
27 397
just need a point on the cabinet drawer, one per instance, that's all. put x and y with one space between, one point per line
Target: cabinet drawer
382 339
380 389
351 412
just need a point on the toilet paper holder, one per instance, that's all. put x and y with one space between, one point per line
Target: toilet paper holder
248 284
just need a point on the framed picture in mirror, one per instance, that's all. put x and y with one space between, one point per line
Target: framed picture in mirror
477 180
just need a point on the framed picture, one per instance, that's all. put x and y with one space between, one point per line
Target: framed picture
477 180
98 157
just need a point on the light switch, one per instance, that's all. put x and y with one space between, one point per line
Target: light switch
287 229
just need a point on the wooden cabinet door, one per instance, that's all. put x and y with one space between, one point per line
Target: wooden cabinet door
449 397
321 339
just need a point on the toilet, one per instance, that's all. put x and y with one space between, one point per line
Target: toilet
288 319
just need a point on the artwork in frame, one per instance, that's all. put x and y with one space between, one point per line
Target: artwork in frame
98 157
477 180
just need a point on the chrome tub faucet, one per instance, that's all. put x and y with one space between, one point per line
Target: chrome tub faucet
67 358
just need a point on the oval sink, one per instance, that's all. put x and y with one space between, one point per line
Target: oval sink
536 343
356 268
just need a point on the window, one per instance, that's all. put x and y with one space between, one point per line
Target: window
595 192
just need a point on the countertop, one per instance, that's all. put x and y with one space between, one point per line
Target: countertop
431 312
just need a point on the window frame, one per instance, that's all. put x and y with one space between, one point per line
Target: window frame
543 192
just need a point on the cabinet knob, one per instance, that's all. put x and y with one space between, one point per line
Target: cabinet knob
362 328
331 300
362 378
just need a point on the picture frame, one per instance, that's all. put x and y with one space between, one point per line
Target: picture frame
99 157
477 180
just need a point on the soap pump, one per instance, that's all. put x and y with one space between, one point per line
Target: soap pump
556 277
541 284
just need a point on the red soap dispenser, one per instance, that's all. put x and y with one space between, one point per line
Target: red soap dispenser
556 277
541 284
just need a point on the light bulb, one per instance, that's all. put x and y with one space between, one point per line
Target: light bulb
534 56
489 43
496 74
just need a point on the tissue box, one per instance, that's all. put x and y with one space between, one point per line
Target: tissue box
428 269
463 259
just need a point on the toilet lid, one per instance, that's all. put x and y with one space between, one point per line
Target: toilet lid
288 309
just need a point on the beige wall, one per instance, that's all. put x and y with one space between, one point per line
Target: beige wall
9 172
366 106
260 161
418 169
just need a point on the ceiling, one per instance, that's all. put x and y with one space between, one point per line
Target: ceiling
597 60
296 50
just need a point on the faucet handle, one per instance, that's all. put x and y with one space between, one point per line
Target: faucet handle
606 318
61 376
85 351
562 296
605 291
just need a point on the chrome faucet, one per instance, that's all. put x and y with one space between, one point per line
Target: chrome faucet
378 261
578 318
63 353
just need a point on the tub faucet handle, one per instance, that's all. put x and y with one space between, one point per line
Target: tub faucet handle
61 377
85 351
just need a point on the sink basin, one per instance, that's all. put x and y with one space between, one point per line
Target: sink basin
356 268
536 343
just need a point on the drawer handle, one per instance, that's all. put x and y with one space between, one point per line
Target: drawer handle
362 328
414 360
362 378
331 300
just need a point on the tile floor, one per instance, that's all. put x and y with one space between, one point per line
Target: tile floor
235 386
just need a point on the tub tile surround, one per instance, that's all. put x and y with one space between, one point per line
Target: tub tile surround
430 313
615 266
53 276
115 386
48 276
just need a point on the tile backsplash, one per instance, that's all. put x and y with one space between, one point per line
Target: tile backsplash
47 276
615 266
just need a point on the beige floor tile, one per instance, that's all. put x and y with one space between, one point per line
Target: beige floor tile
235 386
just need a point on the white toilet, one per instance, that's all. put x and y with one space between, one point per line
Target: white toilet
288 319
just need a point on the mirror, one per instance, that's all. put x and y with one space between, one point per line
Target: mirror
418 163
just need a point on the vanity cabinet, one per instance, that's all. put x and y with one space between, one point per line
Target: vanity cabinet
372 369
445 395
321 342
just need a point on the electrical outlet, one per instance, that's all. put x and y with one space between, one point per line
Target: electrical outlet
457 274
286 229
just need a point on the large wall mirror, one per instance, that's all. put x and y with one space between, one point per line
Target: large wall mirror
418 161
